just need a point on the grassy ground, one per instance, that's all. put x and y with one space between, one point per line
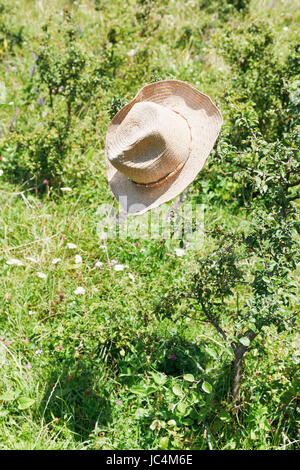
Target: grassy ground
103 367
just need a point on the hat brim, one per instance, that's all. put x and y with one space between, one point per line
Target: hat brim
205 122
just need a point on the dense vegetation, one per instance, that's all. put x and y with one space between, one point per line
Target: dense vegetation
140 342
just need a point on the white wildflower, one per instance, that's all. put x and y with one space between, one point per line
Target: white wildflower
66 189
42 275
79 291
14 262
99 264
56 260
78 259
132 52
120 267
1 172
71 246
180 252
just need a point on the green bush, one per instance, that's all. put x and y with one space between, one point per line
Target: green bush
10 35
259 79
67 85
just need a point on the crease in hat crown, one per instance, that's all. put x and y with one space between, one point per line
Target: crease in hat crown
151 144
158 143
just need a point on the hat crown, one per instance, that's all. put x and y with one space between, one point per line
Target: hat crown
150 143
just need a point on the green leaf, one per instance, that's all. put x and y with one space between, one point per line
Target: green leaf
187 421
150 389
138 389
153 425
189 378
195 397
224 416
182 407
164 442
8 396
245 341
172 422
206 387
177 390
25 402
211 352
160 379
141 412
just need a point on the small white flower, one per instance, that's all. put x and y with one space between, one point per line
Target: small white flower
14 262
66 189
131 276
79 291
99 264
132 52
1 172
180 252
56 260
31 312
78 259
71 246
42 275
119 267
285 28
38 352
113 262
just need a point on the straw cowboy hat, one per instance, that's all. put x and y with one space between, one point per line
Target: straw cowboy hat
157 144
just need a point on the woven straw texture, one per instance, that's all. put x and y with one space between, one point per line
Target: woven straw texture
157 144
